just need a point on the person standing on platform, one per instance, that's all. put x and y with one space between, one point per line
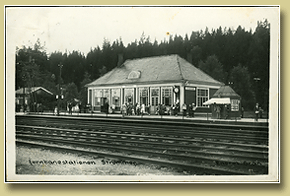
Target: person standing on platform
193 109
124 110
261 112
158 110
172 110
177 108
143 109
69 108
184 109
218 112
242 112
226 111
40 108
162 109
128 109
113 107
189 110
80 107
147 109
256 110
107 107
135 109
55 110
138 109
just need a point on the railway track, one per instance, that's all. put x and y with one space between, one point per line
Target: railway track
199 149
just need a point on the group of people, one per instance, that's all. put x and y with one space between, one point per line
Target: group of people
70 108
188 110
221 111
161 109
135 109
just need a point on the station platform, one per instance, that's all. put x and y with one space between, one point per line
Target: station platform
199 118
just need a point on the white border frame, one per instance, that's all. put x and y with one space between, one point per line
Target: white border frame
274 129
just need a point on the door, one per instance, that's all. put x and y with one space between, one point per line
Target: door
155 94
155 102
103 101
190 96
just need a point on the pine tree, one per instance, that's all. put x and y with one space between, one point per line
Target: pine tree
240 81
213 67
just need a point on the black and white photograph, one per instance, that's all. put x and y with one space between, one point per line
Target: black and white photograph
142 94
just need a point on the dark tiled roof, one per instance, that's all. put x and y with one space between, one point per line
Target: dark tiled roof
226 91
31 90
159 69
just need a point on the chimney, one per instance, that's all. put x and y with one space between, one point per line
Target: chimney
120 59
189 57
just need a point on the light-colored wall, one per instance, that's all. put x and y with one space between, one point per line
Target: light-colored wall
174 97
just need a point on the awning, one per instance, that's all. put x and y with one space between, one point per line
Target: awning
217 101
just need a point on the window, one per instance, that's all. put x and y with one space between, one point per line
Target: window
97 100
129 94
154 92
167 96
106 93
98 95
116 96
235 104
143 94
202 96
106 96
116 101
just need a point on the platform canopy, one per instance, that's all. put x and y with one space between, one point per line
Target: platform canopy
217 101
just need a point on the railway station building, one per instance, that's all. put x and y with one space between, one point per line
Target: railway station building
151 81
34 95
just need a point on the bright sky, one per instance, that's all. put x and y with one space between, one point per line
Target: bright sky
83 28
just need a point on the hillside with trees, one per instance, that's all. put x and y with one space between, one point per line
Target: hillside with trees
236 57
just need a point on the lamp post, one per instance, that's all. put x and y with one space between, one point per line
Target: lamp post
257 89
59 96
24 81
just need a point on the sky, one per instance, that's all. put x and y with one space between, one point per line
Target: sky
84 28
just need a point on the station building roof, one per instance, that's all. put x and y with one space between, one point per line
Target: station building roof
154 70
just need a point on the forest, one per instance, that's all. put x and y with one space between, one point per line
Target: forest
236 57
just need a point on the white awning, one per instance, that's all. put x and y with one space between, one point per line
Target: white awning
217 101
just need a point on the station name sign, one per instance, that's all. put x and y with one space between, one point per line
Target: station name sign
190 88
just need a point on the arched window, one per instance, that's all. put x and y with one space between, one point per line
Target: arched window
134 75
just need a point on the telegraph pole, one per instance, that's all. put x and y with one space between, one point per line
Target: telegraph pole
59 96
